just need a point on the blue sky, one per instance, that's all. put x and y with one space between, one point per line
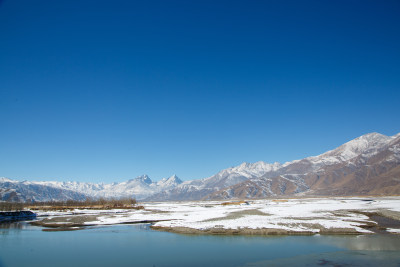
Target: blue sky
104 91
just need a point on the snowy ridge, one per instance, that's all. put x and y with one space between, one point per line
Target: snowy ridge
197 189
250 170
368 145
167 183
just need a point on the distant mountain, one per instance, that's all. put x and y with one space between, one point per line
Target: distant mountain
11 190
369 164
140 187
197 189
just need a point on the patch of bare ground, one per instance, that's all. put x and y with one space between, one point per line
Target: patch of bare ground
76 222
219 230
72 208
66 221
381 220
60 229
73 219
395 215
280 200
222 231
250 231
304 218
234 203
323 230
158 211
238 214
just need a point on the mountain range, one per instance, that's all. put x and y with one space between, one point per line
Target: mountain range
367 165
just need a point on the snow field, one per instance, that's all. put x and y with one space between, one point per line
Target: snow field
296 215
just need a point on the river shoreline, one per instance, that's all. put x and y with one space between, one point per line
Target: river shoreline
328 216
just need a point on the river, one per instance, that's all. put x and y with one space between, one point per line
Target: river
136 245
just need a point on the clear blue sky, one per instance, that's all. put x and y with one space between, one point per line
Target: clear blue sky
109 90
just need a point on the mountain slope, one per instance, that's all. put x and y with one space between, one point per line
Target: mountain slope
369 164
368 173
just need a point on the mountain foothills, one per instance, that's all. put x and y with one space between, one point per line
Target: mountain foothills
367 165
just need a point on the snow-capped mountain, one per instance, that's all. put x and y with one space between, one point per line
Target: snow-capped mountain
197 189
369 164
138 188
11 190
168 183
261 179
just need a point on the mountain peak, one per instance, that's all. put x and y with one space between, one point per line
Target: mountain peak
396 135
143 178
4 179
175 179
372 136
169 182
367 143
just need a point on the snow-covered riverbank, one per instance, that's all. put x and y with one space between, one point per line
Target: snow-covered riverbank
291 216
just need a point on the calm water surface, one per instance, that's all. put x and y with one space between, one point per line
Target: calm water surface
136 245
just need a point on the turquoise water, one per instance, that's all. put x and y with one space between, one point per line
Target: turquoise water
137 245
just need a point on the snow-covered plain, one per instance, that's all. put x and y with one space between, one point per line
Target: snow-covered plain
291 215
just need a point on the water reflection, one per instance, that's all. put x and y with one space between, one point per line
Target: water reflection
374 242
13 225
6 227
143 226
342 258
127 228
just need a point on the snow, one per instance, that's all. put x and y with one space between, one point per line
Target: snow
255 169
4 179
80 212
296 215
366 145
170 182
393 230
288 215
